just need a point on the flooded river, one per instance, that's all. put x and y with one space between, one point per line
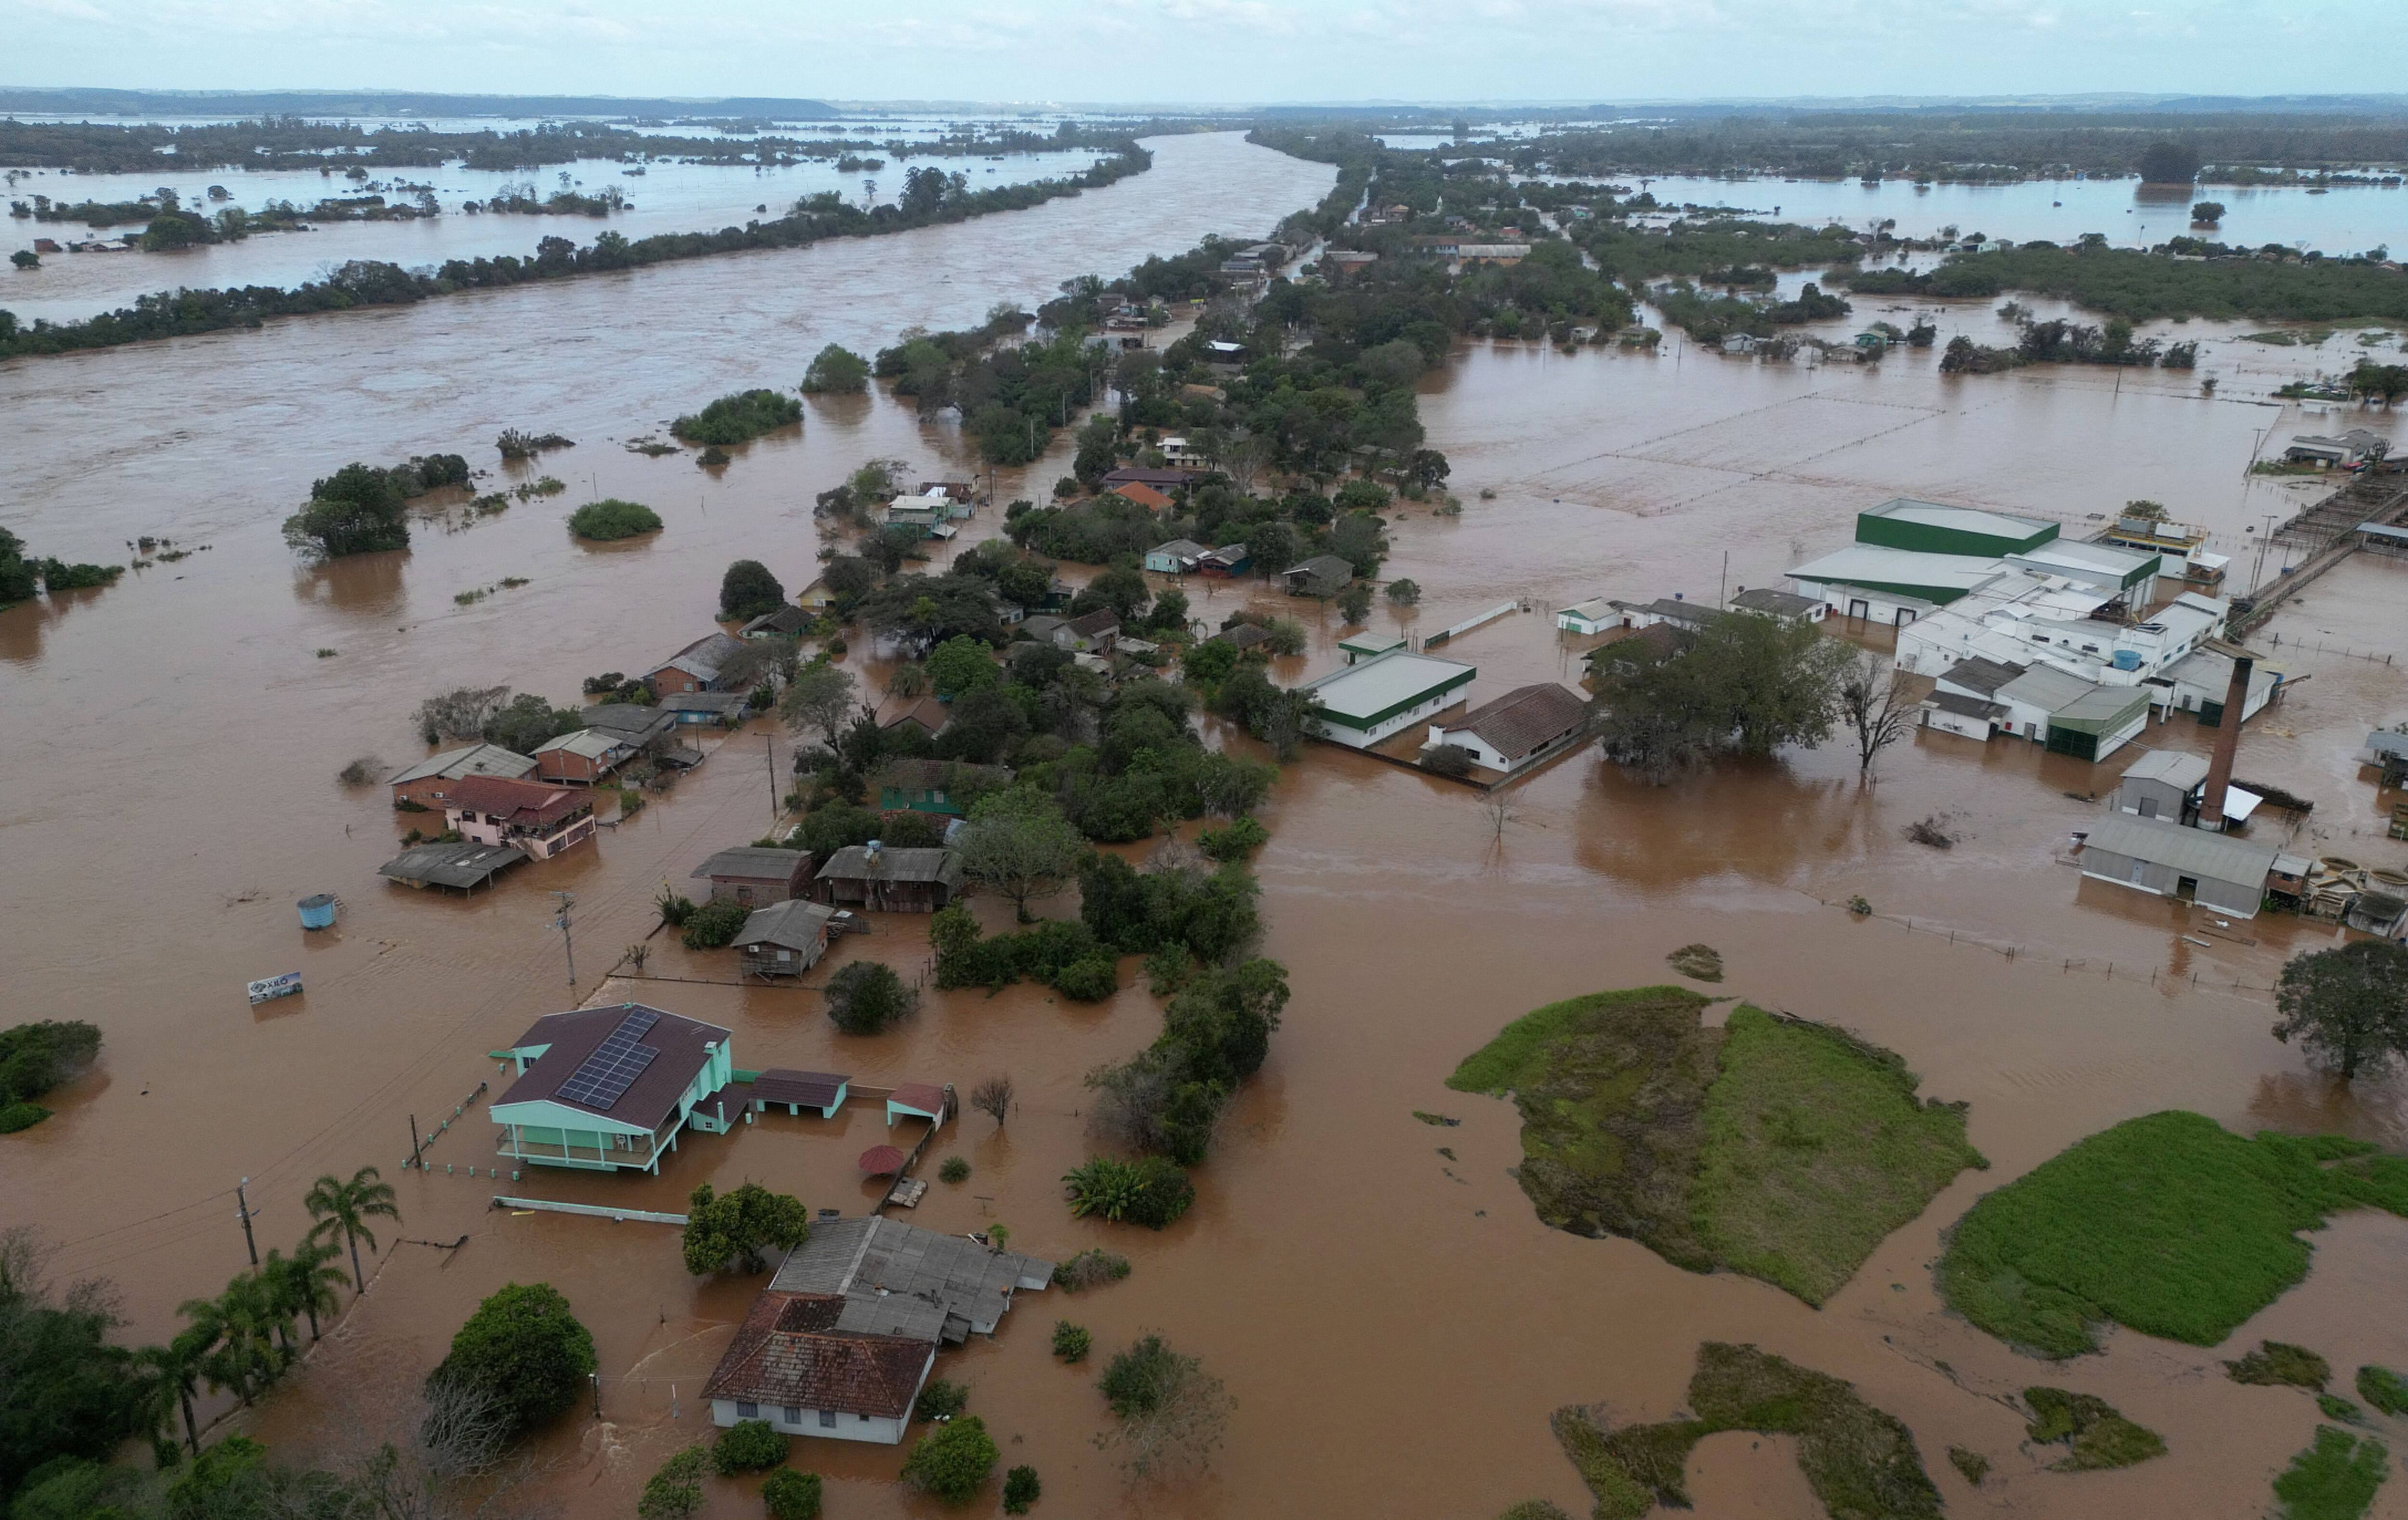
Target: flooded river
1395 1323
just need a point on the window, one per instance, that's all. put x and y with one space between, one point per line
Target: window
747 1410
827 1419
794 1414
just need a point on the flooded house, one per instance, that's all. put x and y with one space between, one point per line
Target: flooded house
756 875
1225 562
2347 452
840 1343
1093 633
918 880
1323 575
1177 557
1368 645
582 758
1243 636
821 1092
944 787
2173 785
706 709
694 668
429 781
1675 611
608 1088
1781 605
785 938
1360 705
460 867
633 723
786 622
541 821
1593 616
1138 493
1520 728
928 714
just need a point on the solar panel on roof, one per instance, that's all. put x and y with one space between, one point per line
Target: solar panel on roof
615 1064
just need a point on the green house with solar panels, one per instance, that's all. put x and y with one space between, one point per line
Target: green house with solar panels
606 1089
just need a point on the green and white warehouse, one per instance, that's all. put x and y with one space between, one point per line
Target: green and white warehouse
1359 705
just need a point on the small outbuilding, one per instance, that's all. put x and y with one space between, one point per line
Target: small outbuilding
919 1101
823 1092
1780 605
1177 557
919 879
785 938
755 875
787 622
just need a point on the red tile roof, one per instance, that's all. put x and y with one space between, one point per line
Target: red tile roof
921 1096
523 803
788 1352
1143 494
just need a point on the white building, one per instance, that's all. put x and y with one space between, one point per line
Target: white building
1593 616
1515 729
1360 705
1873 582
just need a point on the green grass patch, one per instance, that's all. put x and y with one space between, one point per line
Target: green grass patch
2335 1479
1815 1148
1535 1508
1973 1465
2383 1388
2094 1435
1699 962
2337 1408
1775 1147
1860 1461
2277 1363
2167 1223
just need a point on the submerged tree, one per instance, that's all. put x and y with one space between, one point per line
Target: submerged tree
722 1228
358 510
2348 1007
1873 701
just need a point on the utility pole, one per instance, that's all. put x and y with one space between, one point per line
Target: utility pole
242 1207
568 900
1721 597
769 757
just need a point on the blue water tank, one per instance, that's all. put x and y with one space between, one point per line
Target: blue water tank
2127 659
317 911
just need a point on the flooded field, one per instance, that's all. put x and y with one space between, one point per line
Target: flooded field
172 753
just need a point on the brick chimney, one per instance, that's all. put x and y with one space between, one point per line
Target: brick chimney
2228 742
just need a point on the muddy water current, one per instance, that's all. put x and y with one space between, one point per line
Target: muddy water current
1394 1322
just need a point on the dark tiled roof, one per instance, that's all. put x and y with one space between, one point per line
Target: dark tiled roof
929 713
1244 635
1525 720
1322 567
906 773
637 723
757 863
1136 475
1966 706
787 619
573 1036
1778 603
784 1085
1980 674
466 866
918 864
524 804
788 1353
1102 621
899 1279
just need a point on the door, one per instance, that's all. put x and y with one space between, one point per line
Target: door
2148 807
1859 608
1905 616
2186 888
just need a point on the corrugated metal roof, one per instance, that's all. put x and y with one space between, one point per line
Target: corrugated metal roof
2190 851
2174 768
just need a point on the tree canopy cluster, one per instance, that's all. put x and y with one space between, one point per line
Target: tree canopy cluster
739 417
1741 685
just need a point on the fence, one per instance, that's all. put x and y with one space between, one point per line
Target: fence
593 1211
2067 965
418 1146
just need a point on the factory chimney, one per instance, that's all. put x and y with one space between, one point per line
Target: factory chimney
2228 742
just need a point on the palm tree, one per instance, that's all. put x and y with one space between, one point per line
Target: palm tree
347 1207
245 1358
173 1371
276 1284
309 1282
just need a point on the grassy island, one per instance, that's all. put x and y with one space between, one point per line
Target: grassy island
2169 1224
1775 1147
610 518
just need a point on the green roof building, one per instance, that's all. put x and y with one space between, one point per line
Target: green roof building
1928 527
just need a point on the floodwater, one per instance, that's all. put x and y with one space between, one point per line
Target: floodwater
1394 1322
667 197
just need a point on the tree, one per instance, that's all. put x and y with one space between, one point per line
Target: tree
2348 1007
1873 701
358 510
345 1208
1018 843
789 1495
961 664
525 1350
2206 213
1354 602
65 1390
818 697
2147 511
1020 1489
461 712
1741 684
748 591
1171 1410
952 1462
993 1097
720 1228
306 1280
2165 162
674 1491
836 370
1404 593
865 997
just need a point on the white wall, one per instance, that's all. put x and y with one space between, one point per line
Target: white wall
878 1431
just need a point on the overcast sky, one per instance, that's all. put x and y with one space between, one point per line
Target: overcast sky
1213 51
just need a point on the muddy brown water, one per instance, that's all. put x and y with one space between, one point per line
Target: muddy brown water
1394 1325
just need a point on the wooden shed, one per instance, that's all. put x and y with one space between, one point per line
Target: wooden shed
755 875
872 876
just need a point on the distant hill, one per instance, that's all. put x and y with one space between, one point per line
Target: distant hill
391 103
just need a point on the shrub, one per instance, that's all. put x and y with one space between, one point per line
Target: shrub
610 518
360 772
1071 1341
674 1492
37 1057
955 1170
738 417
939 1401
1093 1267
865 997
748 1446
836 369
790 1495
1091 979
1243 835
1404 593
1020 1489
1151 1191
2275 1364
713 924
1170 1409
17 1116
524 1350
1451 760
952 1462
2380 1387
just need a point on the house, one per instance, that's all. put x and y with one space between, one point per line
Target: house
427 782
1593 616
2386 750
632 724
910 880
1323 575
464 866
927 513
1225 562
920 1100
2352 448
942 787
1244 636
2200 682
706 709
1177 557
1517 729
1360 705
785 938
787 622
1367 646
608 1088
928 714
1739 343
1160 481
1954 712
1138 493
1091 633
583 757
1778 605
540 820
823 1091
841 1340
756 875
816 598
1932 528
1688 616
1506 255
694 668
1043 626
1346 260
2159 857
